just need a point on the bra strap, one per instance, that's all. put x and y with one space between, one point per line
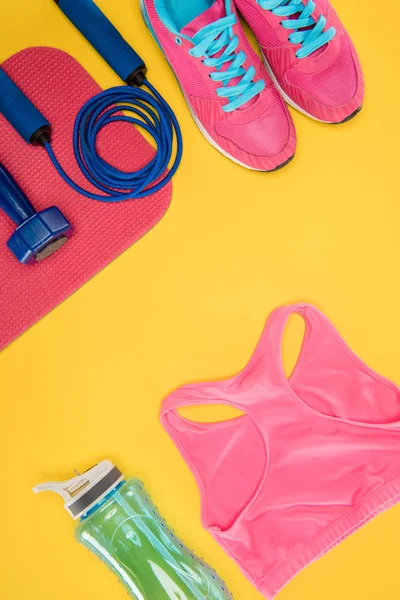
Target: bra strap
319 331
278 319
267 356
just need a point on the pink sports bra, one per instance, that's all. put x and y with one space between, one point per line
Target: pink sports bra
311 460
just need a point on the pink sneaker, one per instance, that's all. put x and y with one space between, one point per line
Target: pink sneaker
229 93
309 56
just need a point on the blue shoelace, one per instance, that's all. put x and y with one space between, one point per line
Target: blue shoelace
211 40
307 32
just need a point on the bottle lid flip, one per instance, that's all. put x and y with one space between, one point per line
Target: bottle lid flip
83 492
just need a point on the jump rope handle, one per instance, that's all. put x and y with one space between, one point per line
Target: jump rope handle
26 119
159 119
106 39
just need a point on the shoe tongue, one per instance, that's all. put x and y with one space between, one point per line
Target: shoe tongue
216 11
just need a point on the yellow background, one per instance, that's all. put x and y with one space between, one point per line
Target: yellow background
188 303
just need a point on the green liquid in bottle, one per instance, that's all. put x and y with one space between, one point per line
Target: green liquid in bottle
119 523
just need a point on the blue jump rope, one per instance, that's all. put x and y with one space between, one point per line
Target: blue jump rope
149 109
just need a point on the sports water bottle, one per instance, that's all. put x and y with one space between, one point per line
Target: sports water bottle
119 523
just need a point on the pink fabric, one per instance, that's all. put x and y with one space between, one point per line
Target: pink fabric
334 84
311 460
328 84
59 86
261 134
265 136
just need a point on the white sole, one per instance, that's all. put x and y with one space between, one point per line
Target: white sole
200 126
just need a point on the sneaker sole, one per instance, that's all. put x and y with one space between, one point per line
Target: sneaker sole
296 106
200 126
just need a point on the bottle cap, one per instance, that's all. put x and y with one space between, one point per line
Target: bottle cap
84 491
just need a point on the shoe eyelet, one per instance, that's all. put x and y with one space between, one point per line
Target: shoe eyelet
178 41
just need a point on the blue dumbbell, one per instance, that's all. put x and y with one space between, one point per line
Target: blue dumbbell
38 235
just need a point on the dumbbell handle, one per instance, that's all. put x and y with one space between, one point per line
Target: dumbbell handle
105 38
13 200
21 113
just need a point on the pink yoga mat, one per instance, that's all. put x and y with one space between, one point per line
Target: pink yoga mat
59 87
